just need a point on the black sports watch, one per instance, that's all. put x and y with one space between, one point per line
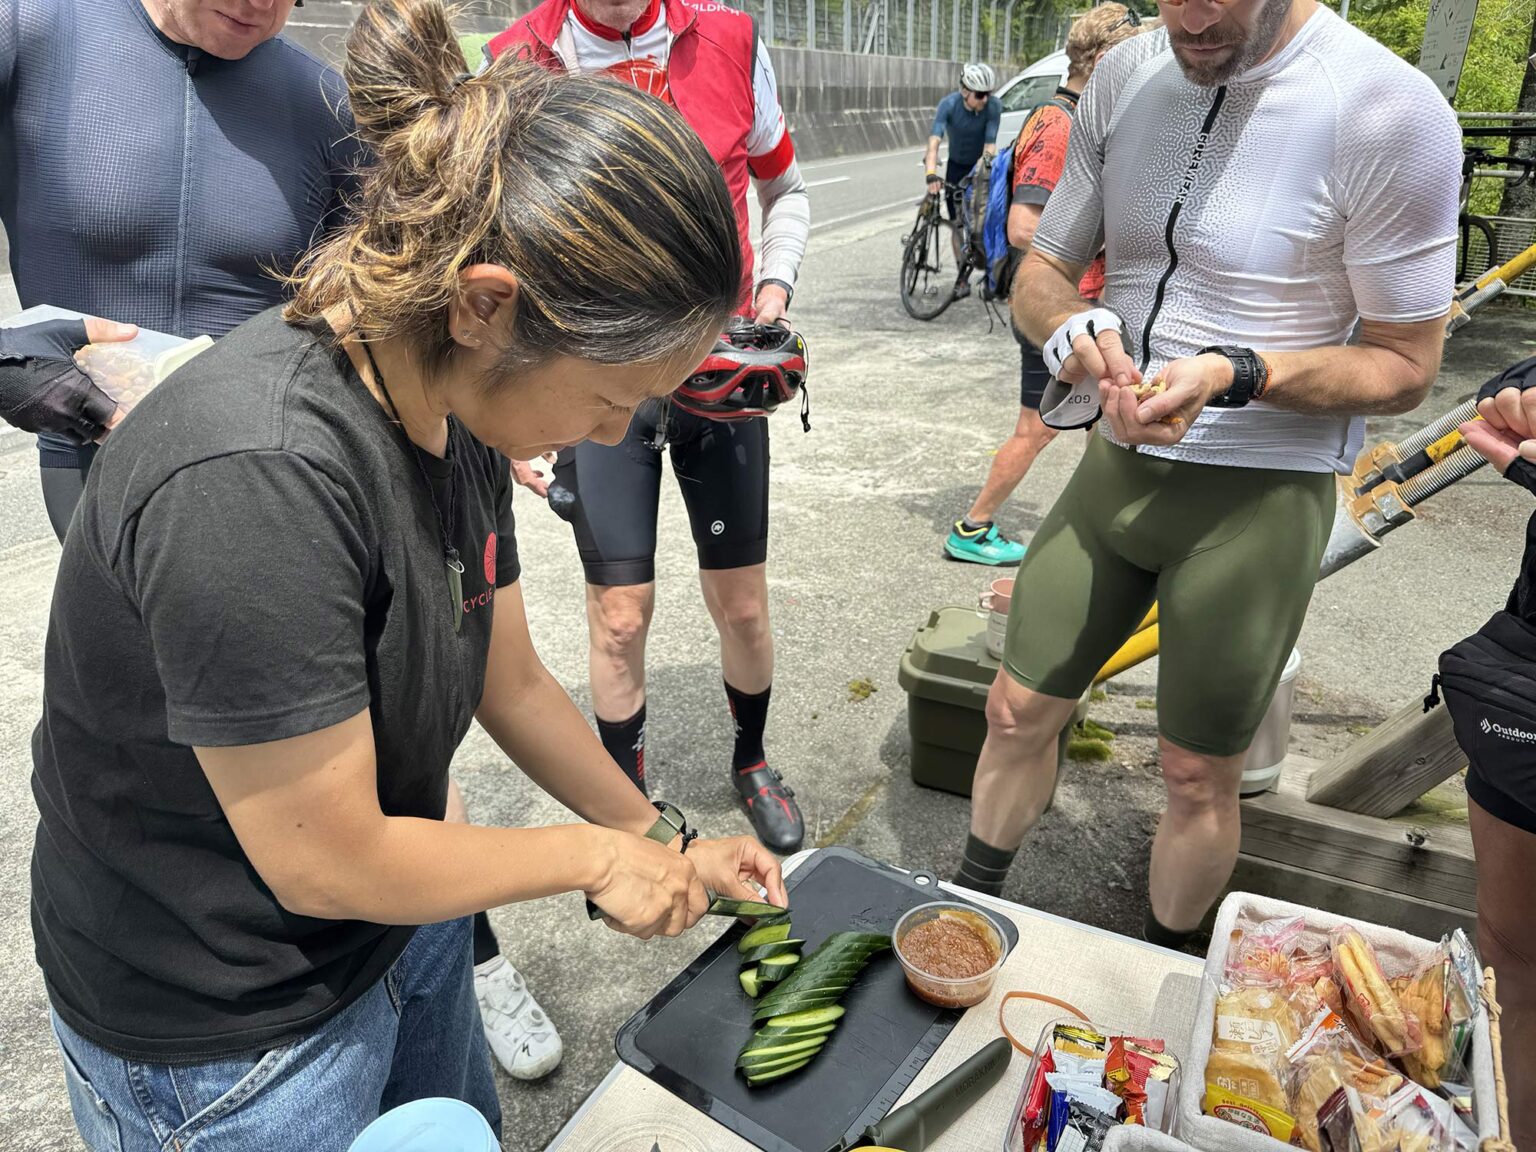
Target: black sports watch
1249 376
789 289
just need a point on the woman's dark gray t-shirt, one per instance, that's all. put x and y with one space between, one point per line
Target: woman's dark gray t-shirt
257 556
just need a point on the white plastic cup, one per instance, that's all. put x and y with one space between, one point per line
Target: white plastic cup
435 1124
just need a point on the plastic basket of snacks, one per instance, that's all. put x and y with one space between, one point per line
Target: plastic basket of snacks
1084 1082
1323 1033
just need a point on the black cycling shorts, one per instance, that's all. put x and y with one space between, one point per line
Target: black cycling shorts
953 174
721 469
1033 374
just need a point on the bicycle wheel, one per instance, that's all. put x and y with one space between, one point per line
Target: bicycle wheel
926 290
1468 222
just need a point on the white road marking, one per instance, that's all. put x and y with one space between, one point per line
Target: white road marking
828 180
909 202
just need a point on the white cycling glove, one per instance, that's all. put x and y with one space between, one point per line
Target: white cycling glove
1065 407
1089 323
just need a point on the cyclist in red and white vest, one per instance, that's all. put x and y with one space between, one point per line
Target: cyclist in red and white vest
708 62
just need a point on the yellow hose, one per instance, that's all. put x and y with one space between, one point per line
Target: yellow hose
1142 646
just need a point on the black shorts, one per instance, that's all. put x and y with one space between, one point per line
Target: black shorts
722 472
1033 374
953 174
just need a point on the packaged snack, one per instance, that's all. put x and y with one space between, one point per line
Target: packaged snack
1133 1070
1369 997
1075 1040
1255 1019
1254 1115
1085 1129
1246 1075
1424 996
1261 953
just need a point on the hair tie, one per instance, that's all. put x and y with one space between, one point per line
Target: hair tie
461 78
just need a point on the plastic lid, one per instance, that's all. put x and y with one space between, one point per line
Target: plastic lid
437 1124
948 657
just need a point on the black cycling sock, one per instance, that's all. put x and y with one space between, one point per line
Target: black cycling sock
983 868
487 947
1154 933
751 716
625 742
972 526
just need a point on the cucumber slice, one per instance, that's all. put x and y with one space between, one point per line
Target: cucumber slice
724 906
766 951
778 918
774 1049
749 982
782 960
793 1007
764 1067
768 1032
816 1018
763 934
768 977
777 1073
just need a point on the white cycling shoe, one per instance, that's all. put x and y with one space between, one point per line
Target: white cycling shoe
522 1038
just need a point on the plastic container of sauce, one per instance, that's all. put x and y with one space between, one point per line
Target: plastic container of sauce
950 952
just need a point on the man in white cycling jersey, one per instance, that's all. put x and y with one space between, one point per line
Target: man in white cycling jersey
1262 177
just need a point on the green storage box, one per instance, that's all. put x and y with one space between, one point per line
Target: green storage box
946 673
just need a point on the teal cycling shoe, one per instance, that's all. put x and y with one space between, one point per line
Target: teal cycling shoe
983 545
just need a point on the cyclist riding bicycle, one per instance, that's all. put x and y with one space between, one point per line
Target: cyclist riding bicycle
969 117
709 62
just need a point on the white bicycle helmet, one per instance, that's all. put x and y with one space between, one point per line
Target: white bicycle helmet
978 77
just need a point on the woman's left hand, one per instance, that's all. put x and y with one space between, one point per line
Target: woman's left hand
732 867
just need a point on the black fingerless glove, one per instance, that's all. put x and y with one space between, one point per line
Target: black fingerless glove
41 388
1521 376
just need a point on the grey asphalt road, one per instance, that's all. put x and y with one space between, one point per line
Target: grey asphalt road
905 418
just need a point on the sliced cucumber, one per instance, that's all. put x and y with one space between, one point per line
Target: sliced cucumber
777 1073
749 982
778 948
774 1049
781 917
754 1068
770 1033
763 934
725 906
813 1019
768 977
795 1007
782 960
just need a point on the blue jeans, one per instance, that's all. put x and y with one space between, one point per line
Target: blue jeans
416 1033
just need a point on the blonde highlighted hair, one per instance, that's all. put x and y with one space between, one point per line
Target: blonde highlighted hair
602 202
1096 32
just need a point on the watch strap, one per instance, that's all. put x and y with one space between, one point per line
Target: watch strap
789 289
1248 375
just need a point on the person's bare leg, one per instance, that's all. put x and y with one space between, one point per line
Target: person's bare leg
1015 776
1506 941
618 622
737 599
738 602
1017 453
1198 836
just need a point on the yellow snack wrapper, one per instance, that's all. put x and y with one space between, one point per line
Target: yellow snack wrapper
1250 1114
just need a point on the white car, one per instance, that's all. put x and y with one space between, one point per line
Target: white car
1026 91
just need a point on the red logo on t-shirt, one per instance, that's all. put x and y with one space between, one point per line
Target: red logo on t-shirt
644 75
490 559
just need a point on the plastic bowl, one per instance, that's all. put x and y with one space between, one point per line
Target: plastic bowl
947 992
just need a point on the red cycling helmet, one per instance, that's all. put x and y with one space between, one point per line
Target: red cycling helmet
753 369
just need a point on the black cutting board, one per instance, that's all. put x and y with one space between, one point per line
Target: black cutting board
688 1037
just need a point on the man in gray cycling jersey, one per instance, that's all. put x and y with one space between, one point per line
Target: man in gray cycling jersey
1262 177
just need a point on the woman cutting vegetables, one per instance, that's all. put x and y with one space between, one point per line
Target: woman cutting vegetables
292 584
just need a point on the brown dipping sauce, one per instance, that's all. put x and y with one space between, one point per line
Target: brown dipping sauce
948 948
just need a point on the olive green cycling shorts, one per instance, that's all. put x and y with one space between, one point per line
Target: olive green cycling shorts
1230 555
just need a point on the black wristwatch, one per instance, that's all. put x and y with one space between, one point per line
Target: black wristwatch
789 289
1249 376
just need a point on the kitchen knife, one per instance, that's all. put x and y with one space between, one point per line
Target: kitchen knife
914 1126
718 906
